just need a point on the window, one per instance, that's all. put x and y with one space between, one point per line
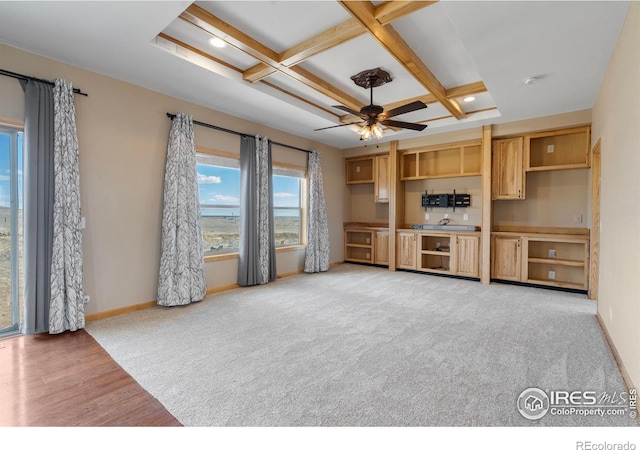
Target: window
10 229
219 188
287 205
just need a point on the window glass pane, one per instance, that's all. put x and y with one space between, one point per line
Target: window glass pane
10 230
5 232
219 189
287 210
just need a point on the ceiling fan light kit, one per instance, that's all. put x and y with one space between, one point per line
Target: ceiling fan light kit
374 115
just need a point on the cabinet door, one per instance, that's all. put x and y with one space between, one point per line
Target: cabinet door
381 181
381 250
467 256
406 251
508 178
506 256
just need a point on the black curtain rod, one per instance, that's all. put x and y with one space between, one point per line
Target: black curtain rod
19 76
202 124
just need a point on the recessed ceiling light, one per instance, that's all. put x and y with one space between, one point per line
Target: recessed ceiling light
217 42
469 98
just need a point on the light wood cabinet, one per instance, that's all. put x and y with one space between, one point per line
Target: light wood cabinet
460 159
467 256
381 180
558 149
556 261
406 250
546 259
358 245
506 258
359 170
439 253
381 248
508 177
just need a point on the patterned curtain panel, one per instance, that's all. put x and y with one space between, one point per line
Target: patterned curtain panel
317 254
181 279
257 255
66 310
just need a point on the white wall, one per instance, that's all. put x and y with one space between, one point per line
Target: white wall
616 121
122 134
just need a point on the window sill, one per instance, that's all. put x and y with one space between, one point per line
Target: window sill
226 256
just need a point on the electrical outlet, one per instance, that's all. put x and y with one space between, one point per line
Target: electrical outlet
368 255
426 216
552 275
368 240
465 217
446 216
577 218
357 169
86 299
551 148
552 253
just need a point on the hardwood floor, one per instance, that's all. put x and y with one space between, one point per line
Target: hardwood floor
69 380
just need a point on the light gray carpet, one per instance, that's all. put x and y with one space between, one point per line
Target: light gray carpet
360 346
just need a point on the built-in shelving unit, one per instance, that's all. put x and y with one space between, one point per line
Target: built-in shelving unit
557 262
443 161
359 170
358 245
435 253
558 149
547 259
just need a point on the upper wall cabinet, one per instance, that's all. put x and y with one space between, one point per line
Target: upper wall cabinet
462 159
508 177
558 149
359 170
370 169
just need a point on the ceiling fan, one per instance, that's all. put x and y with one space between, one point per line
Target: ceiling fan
375 115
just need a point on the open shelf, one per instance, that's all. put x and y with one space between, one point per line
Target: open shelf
358 246
443 161
359 170
557 262
558 149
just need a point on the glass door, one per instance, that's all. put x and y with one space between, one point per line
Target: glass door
10 230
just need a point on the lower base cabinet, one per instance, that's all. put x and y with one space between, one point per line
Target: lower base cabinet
560 261
444 253
366 245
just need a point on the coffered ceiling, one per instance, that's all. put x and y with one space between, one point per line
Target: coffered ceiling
287 64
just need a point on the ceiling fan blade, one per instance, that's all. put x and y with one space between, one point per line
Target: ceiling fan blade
334 126
350 111
413 106
408 125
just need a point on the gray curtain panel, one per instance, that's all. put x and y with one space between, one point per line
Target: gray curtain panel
317 254
257 255
181 278
66 310
38 205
